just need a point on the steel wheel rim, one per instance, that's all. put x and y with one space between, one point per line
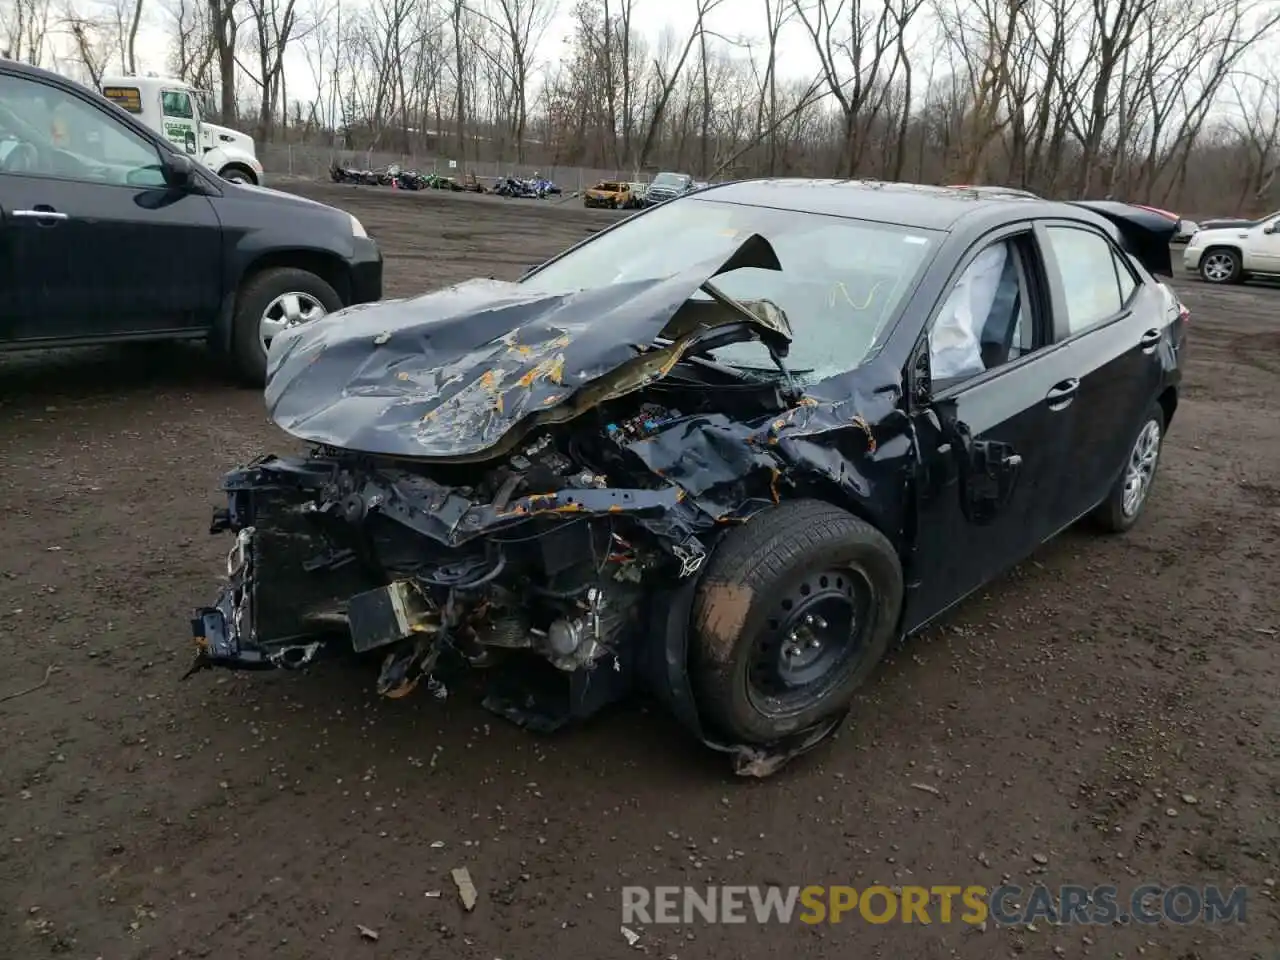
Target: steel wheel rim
811 637
288 310
1141 468
1218 266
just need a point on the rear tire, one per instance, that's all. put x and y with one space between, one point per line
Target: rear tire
1132 489
794 611
256 297
1220 265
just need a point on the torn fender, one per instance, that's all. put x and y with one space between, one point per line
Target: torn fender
464 373
1146 234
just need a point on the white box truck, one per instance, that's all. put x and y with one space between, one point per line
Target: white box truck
171 108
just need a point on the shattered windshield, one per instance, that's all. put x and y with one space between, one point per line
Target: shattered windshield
841 280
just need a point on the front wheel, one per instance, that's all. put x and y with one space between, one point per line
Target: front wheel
1132 489
236 175
270 302
1220 265
794 612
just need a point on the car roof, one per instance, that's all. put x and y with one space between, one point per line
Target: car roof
905 204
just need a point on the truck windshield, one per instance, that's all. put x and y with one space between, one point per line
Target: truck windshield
671 180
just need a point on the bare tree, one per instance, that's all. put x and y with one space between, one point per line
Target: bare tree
225 30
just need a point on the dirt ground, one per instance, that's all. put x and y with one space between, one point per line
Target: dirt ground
1060 716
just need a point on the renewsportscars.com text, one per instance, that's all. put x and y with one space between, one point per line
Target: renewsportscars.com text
972 904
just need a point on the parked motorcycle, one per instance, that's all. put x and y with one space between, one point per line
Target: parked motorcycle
515 187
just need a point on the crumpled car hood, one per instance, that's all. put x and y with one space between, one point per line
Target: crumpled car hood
463 373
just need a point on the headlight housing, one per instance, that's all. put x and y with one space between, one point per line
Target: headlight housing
357 228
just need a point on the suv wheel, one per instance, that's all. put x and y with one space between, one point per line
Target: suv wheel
1220 265
270 302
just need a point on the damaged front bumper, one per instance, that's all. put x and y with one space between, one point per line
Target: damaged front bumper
571 600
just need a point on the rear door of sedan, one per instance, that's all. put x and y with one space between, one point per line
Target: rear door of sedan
993 419
1114 320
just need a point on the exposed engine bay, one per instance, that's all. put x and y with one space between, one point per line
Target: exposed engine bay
549 551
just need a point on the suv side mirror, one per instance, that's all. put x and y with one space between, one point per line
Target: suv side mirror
178 170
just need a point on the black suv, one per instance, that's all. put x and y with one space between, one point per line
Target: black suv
109 233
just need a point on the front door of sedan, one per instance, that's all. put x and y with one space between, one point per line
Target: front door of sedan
1115 322
992 408
97 244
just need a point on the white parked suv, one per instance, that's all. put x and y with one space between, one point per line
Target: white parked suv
1234 254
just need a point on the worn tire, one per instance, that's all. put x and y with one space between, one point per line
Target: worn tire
1110 516
740 599
1233 256
247 353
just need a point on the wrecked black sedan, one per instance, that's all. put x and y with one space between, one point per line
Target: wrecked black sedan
725 451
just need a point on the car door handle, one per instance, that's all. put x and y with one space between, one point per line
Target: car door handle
1062 394
1150 340
42 212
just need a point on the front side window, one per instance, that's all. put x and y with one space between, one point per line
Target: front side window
1087 266
984 322
177 104
841 281
48 132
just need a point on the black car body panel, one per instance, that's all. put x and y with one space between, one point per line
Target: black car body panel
465 366
174 256
1219 223
498 469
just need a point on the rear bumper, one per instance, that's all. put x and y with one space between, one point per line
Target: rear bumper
366 271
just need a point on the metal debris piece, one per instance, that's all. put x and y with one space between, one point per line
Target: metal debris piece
466 889
437 844
927 788
632 937
367 932
381 338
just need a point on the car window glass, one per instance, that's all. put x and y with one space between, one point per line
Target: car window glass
177 103
45 131
840 284
984 321
1086 265
1127 282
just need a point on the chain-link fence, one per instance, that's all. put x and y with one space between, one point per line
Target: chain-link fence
308 161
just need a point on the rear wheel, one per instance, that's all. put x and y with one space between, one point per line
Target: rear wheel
794 612
1220 265
269 303
1132 489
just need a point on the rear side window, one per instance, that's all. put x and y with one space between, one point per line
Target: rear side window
1096 282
